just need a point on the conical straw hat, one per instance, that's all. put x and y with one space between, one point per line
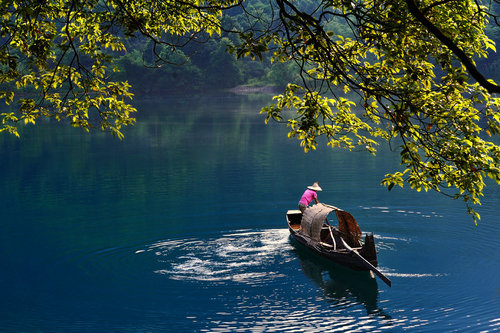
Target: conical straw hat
315 187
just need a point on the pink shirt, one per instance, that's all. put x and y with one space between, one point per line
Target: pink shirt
308 196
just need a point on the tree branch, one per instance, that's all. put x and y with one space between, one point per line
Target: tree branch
464 59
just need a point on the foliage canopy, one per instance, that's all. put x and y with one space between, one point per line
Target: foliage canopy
400 71
59 53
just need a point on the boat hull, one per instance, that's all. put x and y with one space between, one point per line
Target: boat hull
339 256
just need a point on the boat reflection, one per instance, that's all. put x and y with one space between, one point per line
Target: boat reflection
340 284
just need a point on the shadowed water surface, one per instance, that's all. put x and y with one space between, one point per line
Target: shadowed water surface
180 227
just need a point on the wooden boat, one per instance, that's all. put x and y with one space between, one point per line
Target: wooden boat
342 245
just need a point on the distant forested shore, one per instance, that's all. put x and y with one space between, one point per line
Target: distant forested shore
201 67
204 63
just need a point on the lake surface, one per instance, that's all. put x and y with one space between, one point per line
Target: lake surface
181 227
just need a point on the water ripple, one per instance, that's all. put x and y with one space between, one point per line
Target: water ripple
252 271
241 256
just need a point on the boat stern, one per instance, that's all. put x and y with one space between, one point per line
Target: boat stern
368 250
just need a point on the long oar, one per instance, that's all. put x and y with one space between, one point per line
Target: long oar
365 262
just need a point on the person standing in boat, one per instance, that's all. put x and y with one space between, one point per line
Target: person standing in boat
308 196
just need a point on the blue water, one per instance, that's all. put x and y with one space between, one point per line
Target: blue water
180 227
